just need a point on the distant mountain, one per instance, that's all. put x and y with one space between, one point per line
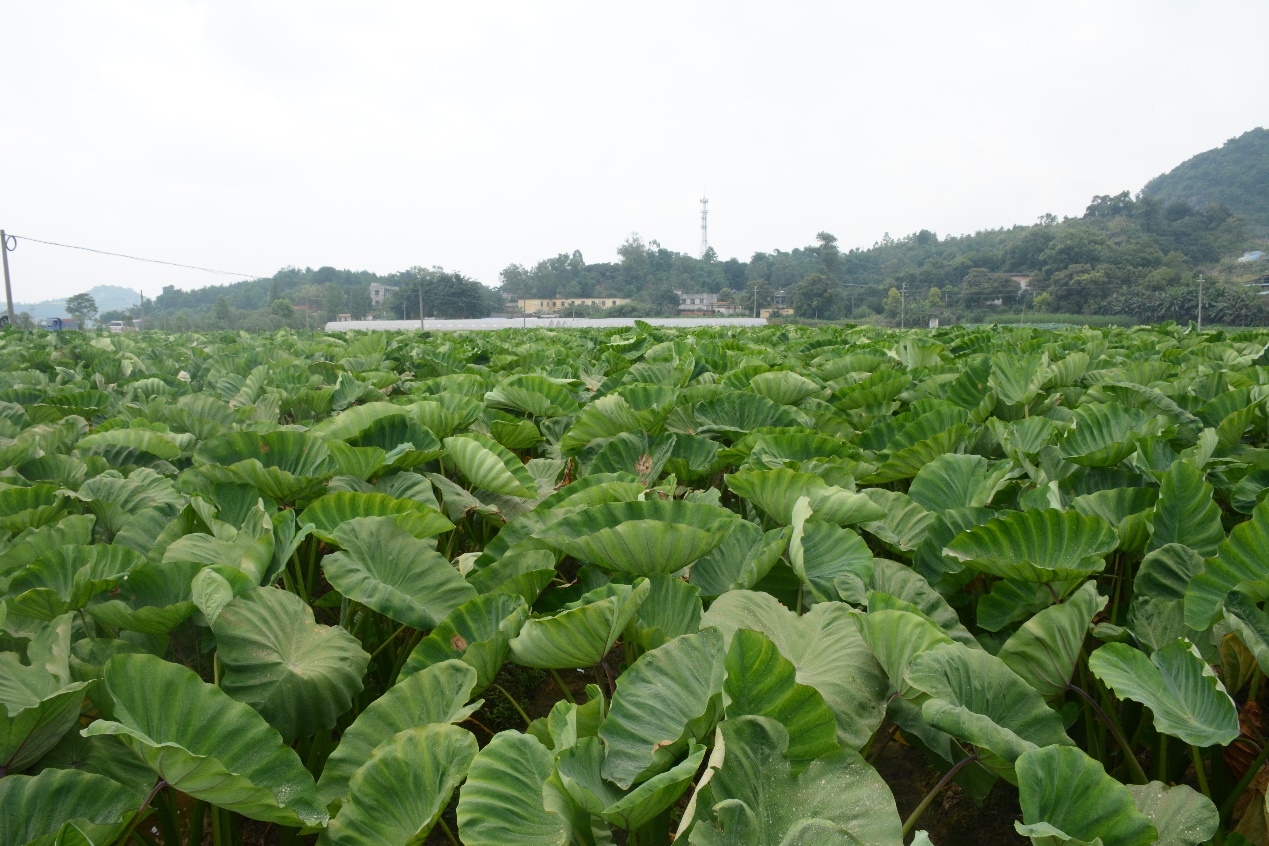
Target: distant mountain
107 297
1236 175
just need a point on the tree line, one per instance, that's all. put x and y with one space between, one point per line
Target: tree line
1133 257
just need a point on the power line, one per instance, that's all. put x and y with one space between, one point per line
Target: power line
139 258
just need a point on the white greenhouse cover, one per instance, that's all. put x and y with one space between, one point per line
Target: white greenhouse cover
486 324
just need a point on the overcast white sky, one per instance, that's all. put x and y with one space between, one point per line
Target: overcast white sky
253 135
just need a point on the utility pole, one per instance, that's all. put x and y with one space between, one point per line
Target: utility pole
8 289
143 310
903 308
755 300
422 323
1200 312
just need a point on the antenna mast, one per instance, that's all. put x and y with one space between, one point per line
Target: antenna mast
704 226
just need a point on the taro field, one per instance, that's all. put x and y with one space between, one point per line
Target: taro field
762 586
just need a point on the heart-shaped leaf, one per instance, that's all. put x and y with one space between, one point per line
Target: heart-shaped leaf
298 674
205 744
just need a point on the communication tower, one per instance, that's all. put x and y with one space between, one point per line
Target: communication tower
704 226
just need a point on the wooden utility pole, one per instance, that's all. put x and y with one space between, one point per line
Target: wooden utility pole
143 309
8 289
422 324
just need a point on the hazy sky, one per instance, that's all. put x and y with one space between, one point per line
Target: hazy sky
378 135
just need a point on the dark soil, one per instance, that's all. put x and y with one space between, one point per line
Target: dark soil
953 818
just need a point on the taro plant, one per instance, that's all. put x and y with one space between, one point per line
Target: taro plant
277 588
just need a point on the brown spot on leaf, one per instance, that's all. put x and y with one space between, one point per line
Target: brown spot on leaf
458 642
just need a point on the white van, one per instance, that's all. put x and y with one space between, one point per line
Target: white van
116 326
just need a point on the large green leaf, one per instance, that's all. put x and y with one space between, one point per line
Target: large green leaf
1239 564
583 632
435 694
1246 620
959 481
66 579
1181 815
154 599
353 421
1043 651
298 674
384 567
909 451
285 466
580 767
41 702
1156 614
1187 699
750 795
489 465
783 386
896 636
668 699
533 394
478 632
1102 434
905 584
824 646
762 682
738 413
976 698
1185 512
525 573
136 441
53 807
249 551
509 797
1036 546
824 555
30 508
777 491
641 537
744 557
903 524
1018 378
425 764
327 513
204 744
673 608
1067 797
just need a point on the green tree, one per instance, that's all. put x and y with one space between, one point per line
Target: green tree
223 314
725 295
982 287
636 265
830 254
816 297
82 307
662 298
359 301
333 302
1042 302
934 300
894 304
281 309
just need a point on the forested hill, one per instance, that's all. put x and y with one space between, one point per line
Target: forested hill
1235 175
1132 257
